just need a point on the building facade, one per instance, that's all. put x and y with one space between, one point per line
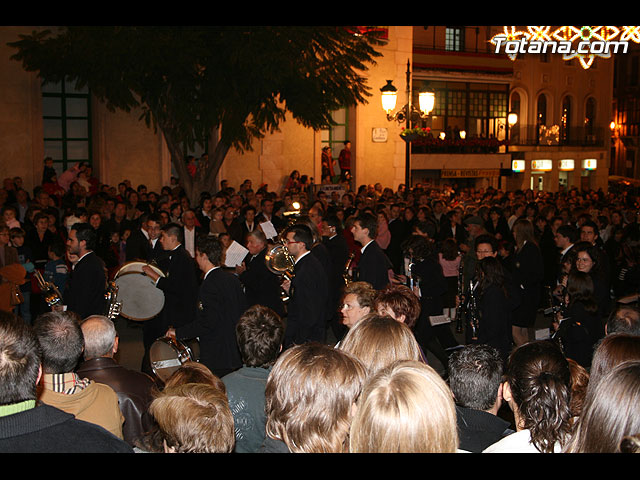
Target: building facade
561 137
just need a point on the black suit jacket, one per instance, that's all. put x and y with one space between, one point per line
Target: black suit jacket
180 287
309 294
373 266
261 286
339 254
138 246
84 294
221 303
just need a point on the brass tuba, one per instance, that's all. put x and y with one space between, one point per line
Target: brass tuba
281 262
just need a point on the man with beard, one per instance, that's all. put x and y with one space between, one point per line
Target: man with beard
87 282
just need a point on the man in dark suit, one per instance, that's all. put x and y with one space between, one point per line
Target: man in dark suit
453 227
399 233
262 287
338 248
190 232
179 285
309 290
373 266
142 241
221 303
267 215
87 282
248 223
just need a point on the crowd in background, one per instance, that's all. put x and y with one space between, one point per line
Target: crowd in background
501 258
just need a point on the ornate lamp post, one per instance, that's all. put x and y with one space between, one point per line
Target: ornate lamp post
426 101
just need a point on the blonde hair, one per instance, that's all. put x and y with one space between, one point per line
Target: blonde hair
309 396
379 340
405 408
194 418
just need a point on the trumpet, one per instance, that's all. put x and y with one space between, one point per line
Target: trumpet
50 292
281 262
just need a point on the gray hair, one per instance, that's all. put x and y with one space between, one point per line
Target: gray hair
99 336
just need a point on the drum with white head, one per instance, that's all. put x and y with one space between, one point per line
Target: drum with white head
138 295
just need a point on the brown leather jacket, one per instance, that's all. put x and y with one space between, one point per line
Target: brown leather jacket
133 389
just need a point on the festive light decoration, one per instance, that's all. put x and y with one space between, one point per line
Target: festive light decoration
587 42
510 36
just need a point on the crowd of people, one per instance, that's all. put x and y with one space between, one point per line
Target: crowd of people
402 320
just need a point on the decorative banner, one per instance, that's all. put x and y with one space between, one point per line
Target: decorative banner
583 42
470 173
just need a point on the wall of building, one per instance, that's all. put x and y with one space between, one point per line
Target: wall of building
21 145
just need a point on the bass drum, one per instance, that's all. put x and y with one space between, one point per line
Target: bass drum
167 354
138 295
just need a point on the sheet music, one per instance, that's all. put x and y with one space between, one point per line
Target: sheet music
235 254
268 229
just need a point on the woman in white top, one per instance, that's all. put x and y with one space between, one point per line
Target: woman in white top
537 389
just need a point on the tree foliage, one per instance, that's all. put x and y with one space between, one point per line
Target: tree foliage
232 84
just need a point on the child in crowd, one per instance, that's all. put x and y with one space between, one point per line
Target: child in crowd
9 215
56 270
25 255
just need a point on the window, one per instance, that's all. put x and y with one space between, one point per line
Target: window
454 39
66 124
335 135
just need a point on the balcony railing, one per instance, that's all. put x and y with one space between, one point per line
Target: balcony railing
554 136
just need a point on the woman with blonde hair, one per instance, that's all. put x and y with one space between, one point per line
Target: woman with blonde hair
309 398
379 340
194 418
405 408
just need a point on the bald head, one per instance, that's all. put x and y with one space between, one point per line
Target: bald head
100 337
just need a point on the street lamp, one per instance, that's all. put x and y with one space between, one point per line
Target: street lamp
426 102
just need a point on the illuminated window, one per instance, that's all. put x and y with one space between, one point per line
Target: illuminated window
66 119
454 39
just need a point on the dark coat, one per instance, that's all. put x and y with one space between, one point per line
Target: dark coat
495 316
398 230
261 286
46 429
373 266
180 287
309 293
221 302
478 430
528 272
85 291
133 389
339 254
579 333
138 246
433 286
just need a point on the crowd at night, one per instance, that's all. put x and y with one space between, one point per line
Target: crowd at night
358 318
